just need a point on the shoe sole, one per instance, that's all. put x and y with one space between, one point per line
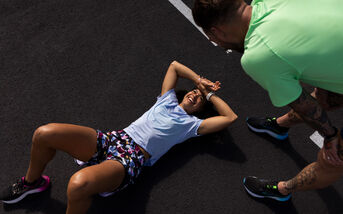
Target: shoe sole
41 189
260 196
106 194
279 137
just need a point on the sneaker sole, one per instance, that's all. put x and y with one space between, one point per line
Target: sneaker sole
41 189
260 196
279 137
106 194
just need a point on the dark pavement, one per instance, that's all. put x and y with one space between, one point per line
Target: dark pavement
101 64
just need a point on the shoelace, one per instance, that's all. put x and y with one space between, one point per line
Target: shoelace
270 121
17 187
272 187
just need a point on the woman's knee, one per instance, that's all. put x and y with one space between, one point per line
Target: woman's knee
78 187
43 133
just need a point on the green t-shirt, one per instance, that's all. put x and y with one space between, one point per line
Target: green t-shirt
292 41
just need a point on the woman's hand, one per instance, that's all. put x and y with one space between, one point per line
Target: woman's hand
209 85
177 70
203 88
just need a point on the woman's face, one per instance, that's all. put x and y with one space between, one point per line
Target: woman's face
193 101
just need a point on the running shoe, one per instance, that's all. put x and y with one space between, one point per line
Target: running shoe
262 188
18 191
267 125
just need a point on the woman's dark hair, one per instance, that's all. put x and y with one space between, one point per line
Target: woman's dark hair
180 94
206 111
207 13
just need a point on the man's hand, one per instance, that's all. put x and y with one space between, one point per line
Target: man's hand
333 151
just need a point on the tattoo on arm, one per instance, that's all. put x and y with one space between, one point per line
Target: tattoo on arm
306 177
312 113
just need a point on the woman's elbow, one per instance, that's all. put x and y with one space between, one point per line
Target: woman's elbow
174 62
230 120
233 118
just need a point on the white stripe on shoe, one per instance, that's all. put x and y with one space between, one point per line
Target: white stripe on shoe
23 196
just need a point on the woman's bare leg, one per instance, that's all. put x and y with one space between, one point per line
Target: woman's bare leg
103 177
78 141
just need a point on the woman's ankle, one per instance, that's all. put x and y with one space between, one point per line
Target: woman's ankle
30 182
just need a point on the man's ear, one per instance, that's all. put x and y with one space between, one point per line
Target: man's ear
217 33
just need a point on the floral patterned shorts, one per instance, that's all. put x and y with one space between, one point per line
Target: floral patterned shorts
118 145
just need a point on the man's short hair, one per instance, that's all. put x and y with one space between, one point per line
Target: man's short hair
207 13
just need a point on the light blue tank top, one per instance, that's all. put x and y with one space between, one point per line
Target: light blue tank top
162 126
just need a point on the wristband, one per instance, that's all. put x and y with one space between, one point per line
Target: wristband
209 95
330 137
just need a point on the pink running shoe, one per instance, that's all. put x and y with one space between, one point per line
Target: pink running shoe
19 190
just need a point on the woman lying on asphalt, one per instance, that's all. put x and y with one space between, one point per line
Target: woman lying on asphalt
116 158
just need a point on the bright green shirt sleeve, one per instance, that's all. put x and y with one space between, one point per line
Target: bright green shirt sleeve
278 77
292 42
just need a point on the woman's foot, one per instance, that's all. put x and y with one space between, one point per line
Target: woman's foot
19 190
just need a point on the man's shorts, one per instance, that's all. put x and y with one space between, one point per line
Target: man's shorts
118 145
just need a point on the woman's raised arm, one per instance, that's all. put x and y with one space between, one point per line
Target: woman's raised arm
177 70
216 123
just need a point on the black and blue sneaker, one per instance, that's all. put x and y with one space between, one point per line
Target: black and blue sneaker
267 125
262 188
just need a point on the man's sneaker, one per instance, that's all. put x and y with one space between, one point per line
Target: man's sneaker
19 190
261 188
267 125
